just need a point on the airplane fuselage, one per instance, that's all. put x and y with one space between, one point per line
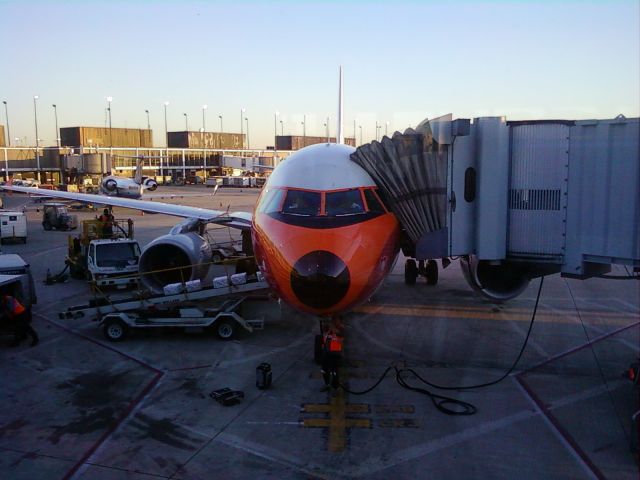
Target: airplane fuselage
321 235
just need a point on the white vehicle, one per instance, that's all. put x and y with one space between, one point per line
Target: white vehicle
13 225
12 264
113 263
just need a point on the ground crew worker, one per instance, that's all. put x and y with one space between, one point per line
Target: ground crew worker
107 222
331 356
18 317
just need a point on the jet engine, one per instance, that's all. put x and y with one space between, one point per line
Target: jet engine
150 184
498 282
110 185
173 258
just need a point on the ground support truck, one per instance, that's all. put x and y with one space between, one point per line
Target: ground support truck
106 258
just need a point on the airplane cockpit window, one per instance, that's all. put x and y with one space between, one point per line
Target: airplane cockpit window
373 202
301 202
270 201
348 202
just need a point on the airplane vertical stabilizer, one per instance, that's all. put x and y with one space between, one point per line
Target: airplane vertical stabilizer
340 136
138 176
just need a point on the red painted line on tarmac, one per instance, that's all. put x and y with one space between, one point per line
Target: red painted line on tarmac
554 421
558 426
132 405
578 348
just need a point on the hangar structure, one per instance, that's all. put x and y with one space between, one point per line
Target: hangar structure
515 199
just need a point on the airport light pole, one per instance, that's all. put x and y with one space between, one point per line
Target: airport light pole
242 110
328 128
204 125
221 129
304 131
275 128
204 109
248 144
148 122
354 132
282 128
55 112
386 129
186 121
166 137
35 115
109 100
166 130
377 130
6 114
360 126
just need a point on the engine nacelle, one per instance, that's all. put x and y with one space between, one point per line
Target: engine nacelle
150 184
497 282
174 258
110 185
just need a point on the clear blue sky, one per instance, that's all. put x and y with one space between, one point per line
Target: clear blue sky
403 61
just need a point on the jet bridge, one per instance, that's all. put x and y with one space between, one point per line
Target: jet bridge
516 199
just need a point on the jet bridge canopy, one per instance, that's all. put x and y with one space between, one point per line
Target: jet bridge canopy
410 170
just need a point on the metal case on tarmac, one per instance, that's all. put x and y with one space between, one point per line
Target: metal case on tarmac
263 376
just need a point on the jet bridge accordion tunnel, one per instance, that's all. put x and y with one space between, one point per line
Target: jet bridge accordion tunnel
515 200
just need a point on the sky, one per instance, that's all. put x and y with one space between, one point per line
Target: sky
403 61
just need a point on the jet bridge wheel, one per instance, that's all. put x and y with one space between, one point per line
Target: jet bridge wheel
115 330
431 272
410 272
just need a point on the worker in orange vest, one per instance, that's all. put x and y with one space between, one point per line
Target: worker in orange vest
19 317
331 356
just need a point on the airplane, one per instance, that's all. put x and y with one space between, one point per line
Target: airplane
127 187
321 235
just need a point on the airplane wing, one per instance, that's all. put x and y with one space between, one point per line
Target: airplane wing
240 220
157 196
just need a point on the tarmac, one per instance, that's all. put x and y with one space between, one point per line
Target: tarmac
77 406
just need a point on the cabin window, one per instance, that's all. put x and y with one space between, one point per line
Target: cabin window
348 202
373 202
301 202
270 201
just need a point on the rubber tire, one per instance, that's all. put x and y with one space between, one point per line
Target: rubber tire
216 257
317 349
225 329
432 272
410 272
47 226
115 330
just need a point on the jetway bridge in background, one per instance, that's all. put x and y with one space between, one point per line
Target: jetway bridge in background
515 199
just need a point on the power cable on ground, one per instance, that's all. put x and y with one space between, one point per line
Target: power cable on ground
443 403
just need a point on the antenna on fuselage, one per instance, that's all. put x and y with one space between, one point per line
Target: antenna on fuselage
340 136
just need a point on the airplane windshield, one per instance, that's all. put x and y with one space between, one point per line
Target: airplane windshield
300 202
348 202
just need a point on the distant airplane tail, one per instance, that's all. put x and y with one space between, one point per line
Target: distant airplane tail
340 136
138 176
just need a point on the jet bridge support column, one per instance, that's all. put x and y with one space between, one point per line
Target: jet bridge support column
491 136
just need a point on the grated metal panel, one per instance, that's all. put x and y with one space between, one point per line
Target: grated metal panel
537 189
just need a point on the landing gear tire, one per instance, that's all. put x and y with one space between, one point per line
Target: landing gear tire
225 329
432 272
115 330
410 272
317 349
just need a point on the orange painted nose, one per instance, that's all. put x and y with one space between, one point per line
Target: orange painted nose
320 279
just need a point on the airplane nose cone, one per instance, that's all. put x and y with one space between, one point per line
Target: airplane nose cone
320 279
